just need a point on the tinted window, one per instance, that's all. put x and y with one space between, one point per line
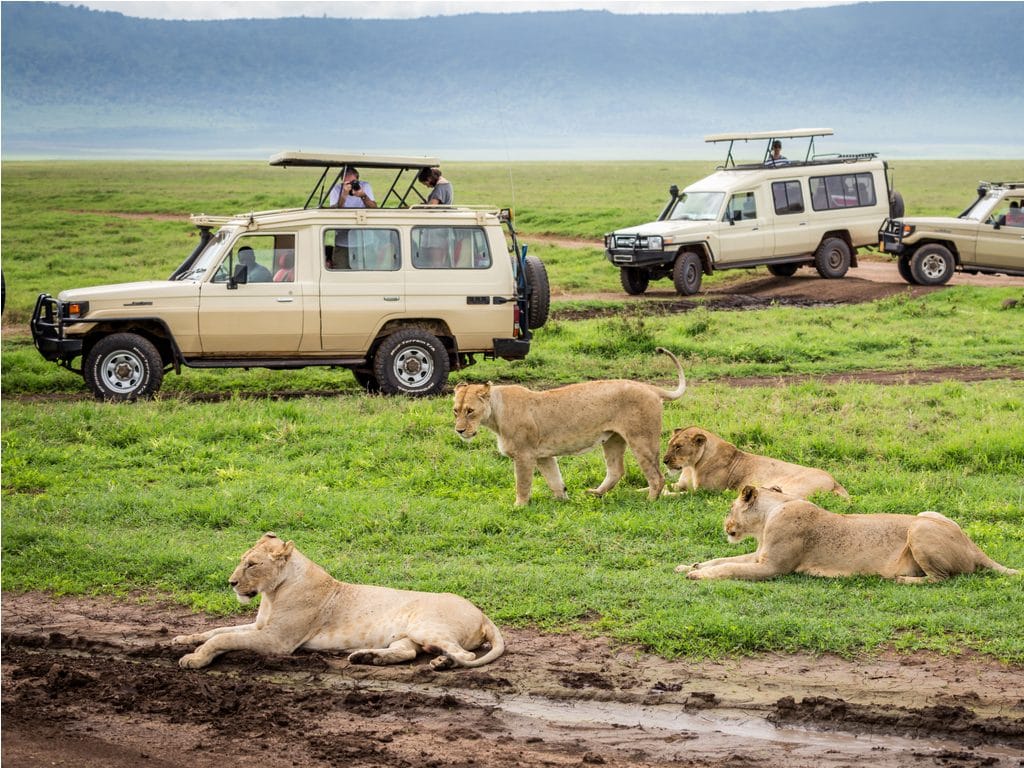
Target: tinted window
450 248
788 197
848 190
362 250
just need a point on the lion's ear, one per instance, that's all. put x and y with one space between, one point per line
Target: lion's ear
699 439
286 552
676 431
269 535
776 489
486 392
461 385
749 493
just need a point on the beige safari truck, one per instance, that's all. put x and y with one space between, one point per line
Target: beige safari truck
400 295
987 237
808 210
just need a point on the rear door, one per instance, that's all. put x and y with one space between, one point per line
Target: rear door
793 236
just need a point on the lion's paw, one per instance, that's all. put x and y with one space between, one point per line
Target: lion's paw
444 661
363 657
183 640
192 661
686 567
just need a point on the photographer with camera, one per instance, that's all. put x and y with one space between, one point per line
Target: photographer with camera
351 192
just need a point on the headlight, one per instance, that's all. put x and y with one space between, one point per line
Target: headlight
908 230
609 241
654 243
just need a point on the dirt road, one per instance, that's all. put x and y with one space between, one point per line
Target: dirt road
94 682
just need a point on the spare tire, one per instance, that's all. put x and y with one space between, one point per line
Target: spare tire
896 207
539 299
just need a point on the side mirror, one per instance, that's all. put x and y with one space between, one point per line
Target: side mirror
241 277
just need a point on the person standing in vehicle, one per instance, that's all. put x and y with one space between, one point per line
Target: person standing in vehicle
351 192
441 189
776 157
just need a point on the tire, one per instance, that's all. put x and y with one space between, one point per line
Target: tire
123 367
540 292
634 281
411 362
832 259
932 264
783 270
896 206
367 381
903 267
687 273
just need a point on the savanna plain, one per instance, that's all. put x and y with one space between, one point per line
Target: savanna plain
121 523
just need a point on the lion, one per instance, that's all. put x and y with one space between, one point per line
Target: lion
705 460
303 606
795 536
534 428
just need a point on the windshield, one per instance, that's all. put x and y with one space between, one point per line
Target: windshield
210 256
982 208
697 206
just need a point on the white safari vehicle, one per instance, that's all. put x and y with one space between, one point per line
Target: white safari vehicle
782 212
399 294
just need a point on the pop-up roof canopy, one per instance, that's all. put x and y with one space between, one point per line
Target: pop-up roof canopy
769 136
321 190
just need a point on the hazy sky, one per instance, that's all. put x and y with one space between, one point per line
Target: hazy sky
404 9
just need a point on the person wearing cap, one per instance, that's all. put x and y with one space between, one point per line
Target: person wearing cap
776 157
441 189
351 192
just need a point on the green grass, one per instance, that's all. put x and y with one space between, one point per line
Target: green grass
164 496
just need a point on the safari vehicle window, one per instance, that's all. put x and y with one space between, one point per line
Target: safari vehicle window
370 250
450 248
982 209
211 255
742 206
265 257
847 190
788 197
1009 214
697 206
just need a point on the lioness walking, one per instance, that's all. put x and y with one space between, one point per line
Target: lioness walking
534 428
305 607
795 536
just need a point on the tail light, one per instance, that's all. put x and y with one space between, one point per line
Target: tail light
516 316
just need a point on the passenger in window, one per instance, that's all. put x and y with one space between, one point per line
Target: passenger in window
351 192
1015 215
776 157
255 272
441 189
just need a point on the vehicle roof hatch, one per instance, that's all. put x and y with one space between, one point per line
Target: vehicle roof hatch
769 136
339 164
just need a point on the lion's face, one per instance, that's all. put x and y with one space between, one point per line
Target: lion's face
746 516
472 406
261 567
685 447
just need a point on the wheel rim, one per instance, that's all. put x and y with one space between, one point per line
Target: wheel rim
835 258
413 367
933 266
122 372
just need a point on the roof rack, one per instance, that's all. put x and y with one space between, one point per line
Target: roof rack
770 136
343 162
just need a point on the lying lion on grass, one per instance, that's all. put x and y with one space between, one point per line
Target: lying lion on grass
534 428
707 461
304 607
796 536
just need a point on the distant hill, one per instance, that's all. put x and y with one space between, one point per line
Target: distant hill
902 78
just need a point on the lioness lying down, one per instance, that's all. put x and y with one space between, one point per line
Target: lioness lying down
304 607
707 461
796 536
534 428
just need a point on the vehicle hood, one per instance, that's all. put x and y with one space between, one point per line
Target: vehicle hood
125 294
939 222
665 228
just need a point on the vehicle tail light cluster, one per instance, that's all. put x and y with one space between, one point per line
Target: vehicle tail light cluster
517 326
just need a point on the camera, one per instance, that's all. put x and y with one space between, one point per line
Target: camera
355 186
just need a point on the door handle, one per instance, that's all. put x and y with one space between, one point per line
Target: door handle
284 299
391 298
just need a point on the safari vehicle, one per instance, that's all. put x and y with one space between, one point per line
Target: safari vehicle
782 213
400 294
987 237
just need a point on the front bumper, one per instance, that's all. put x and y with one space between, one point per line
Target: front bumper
47 326
890 237
636 257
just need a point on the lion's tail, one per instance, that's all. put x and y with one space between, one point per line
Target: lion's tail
497 642
676 393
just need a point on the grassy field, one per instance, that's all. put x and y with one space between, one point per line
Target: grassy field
163 496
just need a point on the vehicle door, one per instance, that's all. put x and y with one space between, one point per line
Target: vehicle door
1001 237
362 285
742 233
252 305
457 277
792 234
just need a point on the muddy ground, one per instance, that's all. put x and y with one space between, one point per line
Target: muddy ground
95 682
